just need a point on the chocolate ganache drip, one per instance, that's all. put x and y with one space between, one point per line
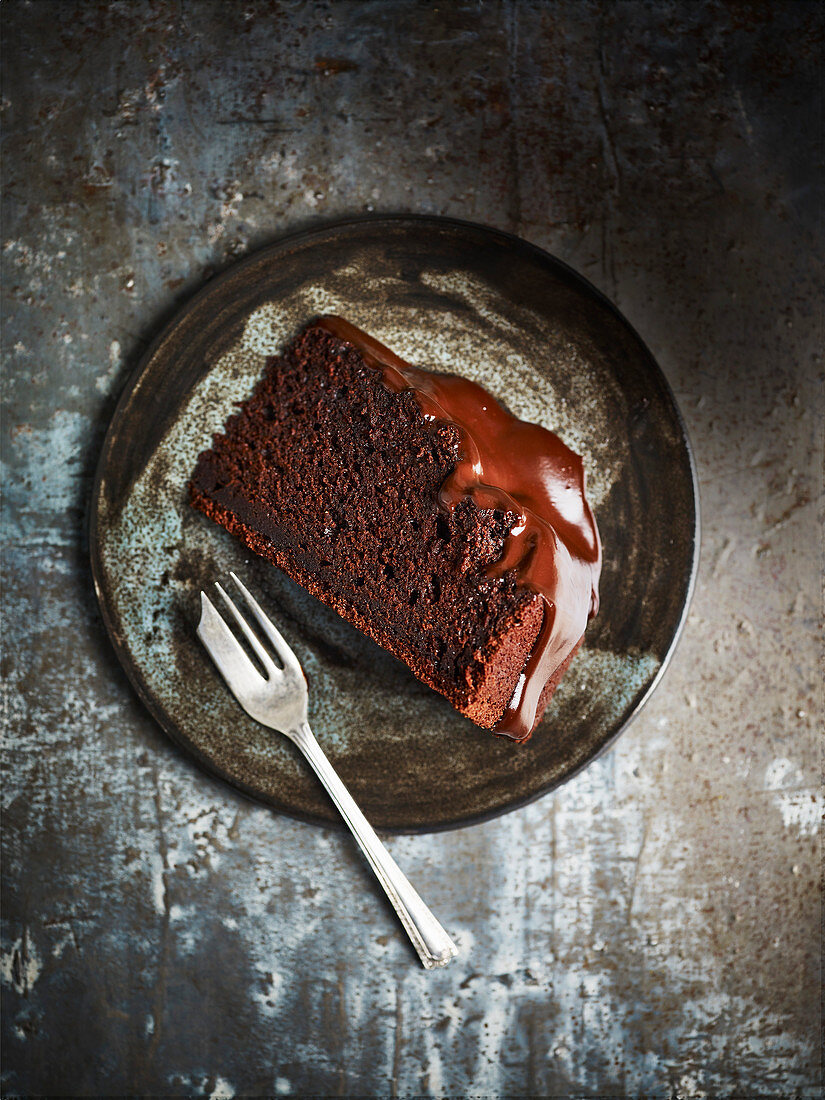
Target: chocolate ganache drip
506 463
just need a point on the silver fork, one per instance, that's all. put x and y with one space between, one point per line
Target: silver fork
279 701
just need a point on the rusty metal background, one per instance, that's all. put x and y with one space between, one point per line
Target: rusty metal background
653 927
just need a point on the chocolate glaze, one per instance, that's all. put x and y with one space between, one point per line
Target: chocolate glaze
506 463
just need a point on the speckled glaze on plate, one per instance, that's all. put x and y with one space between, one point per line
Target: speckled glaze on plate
443 294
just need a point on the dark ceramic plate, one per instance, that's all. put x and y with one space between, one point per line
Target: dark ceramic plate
453 296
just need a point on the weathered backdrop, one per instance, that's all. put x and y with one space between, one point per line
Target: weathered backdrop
653 927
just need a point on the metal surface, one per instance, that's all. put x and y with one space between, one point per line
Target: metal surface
652 928
279 701
471 300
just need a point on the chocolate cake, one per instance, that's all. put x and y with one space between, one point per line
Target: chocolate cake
451 533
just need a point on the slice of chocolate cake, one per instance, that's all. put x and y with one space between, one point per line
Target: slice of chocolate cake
451 533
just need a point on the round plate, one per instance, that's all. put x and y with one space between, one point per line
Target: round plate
448 295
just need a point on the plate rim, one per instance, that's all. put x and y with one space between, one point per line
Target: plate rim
278 245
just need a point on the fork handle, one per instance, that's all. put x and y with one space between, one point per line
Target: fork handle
434 946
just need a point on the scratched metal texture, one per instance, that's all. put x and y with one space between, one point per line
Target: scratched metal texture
653 927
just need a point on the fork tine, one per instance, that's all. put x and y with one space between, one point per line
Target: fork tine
270 666
226 651
282 648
